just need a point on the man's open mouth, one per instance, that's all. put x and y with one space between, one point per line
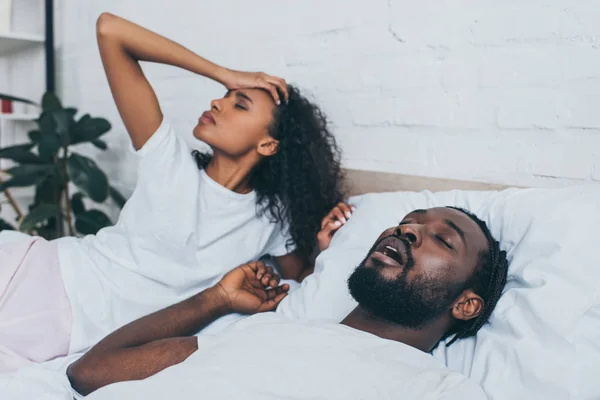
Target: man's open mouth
393 253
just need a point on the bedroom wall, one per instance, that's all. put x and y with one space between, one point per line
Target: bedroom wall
506 92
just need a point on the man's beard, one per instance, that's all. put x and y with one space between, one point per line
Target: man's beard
411 304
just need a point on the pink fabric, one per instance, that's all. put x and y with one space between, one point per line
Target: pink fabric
35 314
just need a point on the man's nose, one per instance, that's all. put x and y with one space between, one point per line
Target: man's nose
411 232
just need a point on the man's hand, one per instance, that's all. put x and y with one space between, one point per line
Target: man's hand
252 288
333 221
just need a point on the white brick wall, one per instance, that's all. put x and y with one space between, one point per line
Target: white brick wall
489 90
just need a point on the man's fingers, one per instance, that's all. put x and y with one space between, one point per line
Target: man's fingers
274 296
274 291
267 276
265 279
271 305
274 282
260 268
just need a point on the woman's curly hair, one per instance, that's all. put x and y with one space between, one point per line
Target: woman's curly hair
303 181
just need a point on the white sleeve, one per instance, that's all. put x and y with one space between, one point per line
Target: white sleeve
164 163
277 244
163 138
164 201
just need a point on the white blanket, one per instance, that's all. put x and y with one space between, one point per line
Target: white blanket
271 357
46 381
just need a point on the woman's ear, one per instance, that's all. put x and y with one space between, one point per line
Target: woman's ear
468 306
268 147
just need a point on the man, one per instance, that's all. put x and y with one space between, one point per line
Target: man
438 273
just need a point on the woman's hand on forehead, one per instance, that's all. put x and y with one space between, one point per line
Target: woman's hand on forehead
251 80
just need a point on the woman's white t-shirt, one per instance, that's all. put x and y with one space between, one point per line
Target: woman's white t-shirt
178 234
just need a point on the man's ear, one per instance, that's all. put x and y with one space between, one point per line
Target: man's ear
268 147
468 306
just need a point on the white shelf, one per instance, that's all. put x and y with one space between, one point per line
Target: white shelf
10 42
19 117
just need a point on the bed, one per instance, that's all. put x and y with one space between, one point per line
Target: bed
542 340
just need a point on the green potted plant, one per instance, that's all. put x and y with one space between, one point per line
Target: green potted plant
49 164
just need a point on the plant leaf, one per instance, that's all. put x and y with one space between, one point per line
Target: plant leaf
77 204
84 118
48 140
64 121
88 129
35 136
21 153
26 146
51 102
46 191
117 197
86 175
91 221
18 99
39 214
47 123
99 143
72 111
48 147
5 226
26 175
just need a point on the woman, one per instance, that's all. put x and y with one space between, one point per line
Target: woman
273 175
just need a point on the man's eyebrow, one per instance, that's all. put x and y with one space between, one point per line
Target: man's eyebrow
457 228
243 96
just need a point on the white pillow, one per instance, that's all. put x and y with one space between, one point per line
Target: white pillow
543 337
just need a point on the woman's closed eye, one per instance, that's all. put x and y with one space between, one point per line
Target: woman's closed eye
241 107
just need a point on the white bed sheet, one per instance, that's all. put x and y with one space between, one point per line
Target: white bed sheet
46 381
270 357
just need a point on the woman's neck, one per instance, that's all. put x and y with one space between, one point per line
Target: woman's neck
233 175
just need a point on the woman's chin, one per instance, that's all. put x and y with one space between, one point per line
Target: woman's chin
199 132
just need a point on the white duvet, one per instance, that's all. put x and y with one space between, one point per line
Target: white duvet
268 356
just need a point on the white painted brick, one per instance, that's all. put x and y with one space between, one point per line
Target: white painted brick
341 46
561 160
406 69
487 22
531 66
473 154
596 171
374 110
529 108
519 22
387 145
440 25
565 154
582 110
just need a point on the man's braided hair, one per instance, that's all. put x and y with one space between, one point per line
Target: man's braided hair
487 281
